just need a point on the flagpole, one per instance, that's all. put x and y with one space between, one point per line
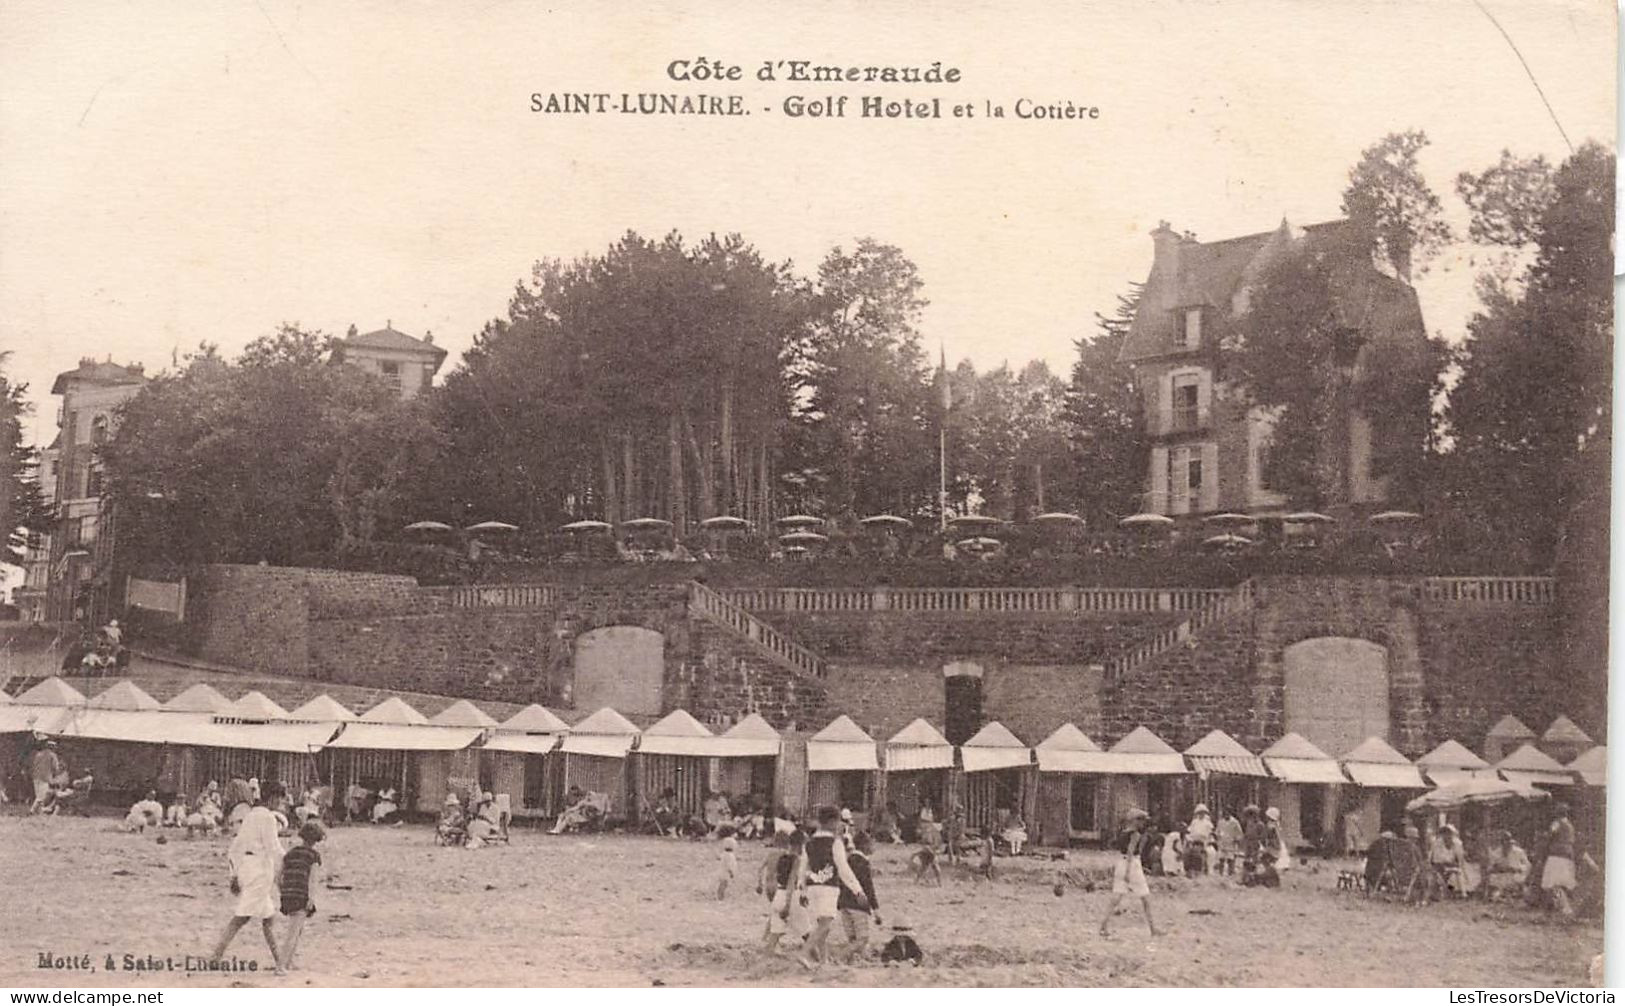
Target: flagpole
942 440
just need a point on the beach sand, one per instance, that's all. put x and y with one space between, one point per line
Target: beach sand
636 911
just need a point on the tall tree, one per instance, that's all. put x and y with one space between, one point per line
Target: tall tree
1391 203
22 508
1104 420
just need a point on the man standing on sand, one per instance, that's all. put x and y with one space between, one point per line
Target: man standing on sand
46 769
821 875
1128 876
255 858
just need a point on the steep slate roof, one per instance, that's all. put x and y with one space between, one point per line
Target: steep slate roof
103 372
1211 273
1067 737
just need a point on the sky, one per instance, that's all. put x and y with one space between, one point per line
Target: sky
175 172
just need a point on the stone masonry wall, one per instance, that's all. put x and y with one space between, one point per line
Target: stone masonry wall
253 617
723 680
907 638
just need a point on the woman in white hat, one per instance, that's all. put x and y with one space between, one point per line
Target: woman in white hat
1199 853
1128 875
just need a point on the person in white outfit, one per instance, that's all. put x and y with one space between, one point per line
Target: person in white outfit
255 858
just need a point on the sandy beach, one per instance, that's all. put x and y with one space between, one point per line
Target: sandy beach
620 910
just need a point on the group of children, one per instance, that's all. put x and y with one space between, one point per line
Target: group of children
812 879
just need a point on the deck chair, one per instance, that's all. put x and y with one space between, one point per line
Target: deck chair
1395 867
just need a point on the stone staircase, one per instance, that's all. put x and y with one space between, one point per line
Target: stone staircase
710 606
1238 599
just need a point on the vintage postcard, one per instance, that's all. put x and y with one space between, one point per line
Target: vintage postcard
805 495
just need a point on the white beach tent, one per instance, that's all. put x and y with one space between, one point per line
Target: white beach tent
1300 770
463 713
1228 776
1534 767
673 754
1386 781
1564 740
1505 736
997 775
1452 762
393 745
1069 788
53 691
595 756
253 707
915 771
748 760
520 749
842 765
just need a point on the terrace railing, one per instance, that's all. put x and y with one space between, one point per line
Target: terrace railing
498 595
703 602
1491 589
1004 600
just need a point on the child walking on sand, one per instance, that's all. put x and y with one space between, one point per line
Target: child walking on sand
775 880
822 873
1128 876
299 871
727 860
859 912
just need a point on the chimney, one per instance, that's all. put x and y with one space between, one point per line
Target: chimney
428 337
352 332
1165 260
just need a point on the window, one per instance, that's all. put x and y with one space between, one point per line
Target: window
392 372
1187 414
98 431
1192 331
1185 479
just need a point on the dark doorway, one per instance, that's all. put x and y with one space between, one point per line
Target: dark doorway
963 700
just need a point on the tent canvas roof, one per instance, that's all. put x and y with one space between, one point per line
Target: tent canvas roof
323 709
1376 751
393 710
920 734
462 713
535 719
199 698
1218 744
6 700
254 706
1067 737
1295 745
753 727
1140 740
678 723
1529 758
1509 727
1451 754
1563 731
124 695
53 691
842 730
994 735
1592 766
606 721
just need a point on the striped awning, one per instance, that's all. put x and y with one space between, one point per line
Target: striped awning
1210 765
1385 775
1305 770
910 757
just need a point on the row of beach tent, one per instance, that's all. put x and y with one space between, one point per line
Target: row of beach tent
596 749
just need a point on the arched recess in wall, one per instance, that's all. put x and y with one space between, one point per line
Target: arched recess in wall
621 666
961 700
1336 691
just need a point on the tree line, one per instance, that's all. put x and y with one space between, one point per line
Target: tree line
684 380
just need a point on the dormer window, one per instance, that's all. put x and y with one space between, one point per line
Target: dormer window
1191 329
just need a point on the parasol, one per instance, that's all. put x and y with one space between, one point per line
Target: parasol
492 525
428 525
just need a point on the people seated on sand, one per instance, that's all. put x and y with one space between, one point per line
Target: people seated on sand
206 814
1509 867
749 819
357 801
72 792
578 810
716 810
1015 834
1448 858
145 813
310 807
667 819
387 810
484 825
1199 835
885 825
